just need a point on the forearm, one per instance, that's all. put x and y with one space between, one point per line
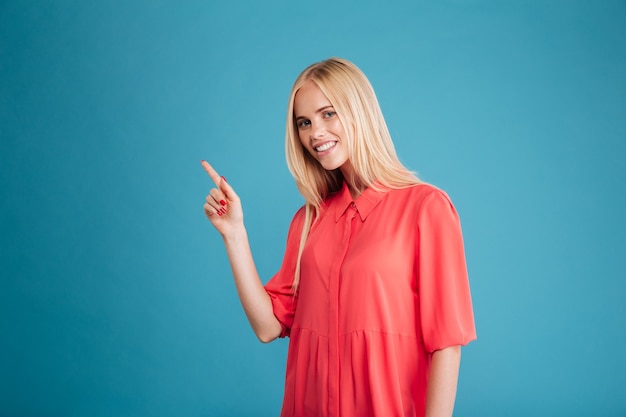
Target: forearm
442 382
254 299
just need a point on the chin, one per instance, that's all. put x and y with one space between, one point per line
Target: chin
330 167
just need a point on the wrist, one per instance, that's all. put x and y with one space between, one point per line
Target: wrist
235 234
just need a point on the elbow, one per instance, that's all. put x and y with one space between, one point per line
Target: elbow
266 338
269 334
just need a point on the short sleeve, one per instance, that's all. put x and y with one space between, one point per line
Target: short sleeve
280 286
446 313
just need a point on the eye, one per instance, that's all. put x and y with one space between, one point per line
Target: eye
329 114
302 123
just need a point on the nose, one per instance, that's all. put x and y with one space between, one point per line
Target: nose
317 131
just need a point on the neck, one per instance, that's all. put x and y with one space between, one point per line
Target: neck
355 185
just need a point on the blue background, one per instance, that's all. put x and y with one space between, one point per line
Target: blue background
116 297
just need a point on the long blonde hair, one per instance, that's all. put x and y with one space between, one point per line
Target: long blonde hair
370 148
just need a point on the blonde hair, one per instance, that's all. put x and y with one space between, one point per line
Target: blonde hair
370 148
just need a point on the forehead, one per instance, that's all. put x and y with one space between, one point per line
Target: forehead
309 97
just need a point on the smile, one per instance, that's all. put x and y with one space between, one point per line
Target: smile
324 147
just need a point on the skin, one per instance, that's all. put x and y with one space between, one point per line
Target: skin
319 126
223 209
323 135
442 381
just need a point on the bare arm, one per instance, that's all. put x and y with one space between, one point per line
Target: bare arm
223 209
442 382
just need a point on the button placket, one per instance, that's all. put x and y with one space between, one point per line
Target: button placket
334 331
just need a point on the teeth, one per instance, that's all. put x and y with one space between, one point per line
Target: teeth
325 146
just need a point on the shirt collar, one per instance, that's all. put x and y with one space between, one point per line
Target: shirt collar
364 203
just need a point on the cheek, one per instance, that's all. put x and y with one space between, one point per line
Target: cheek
305 143
302 138
347 135
338 127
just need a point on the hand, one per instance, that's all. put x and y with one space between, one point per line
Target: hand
222 206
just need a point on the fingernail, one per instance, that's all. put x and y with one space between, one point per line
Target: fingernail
224 178
223 210
202 160
222 202
219 213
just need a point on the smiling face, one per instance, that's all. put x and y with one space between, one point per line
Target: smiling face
320 131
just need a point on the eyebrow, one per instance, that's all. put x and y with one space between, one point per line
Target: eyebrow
318 111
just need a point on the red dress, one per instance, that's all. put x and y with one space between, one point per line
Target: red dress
383 285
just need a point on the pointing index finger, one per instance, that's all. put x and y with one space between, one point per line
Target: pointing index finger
212 172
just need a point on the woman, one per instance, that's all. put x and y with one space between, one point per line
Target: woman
373 290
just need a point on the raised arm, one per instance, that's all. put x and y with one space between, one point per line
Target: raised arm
224 211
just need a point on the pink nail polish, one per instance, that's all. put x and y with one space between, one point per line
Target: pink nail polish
224 178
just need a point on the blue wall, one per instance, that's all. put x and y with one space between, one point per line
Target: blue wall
115 294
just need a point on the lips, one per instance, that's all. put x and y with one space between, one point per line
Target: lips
325 146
